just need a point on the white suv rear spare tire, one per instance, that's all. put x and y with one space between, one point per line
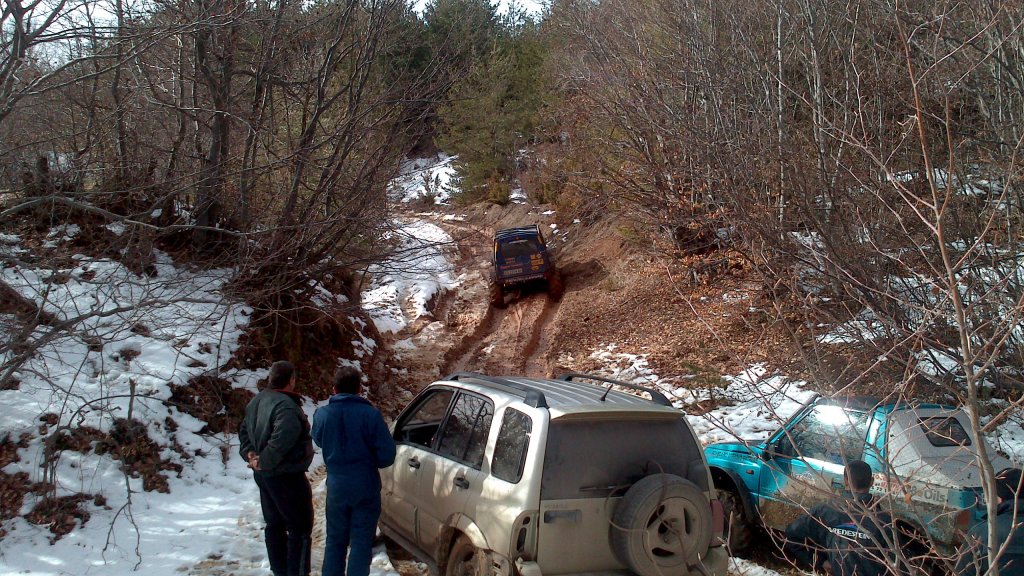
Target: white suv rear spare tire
661 526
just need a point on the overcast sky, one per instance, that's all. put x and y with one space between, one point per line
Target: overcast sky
532 6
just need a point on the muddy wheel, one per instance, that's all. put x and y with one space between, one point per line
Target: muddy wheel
918 551
737 525
556 285
497 295
466 559
661 526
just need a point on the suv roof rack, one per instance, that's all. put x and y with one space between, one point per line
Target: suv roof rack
656 396
532 229
531 396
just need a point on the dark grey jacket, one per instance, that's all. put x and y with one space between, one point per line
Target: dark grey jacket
275 427
1010 535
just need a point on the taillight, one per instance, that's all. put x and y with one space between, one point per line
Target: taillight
717 517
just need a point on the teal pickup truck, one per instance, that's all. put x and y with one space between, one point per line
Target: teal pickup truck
924 458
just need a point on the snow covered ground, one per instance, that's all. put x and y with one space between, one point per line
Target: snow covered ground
420 179
132 337
420 271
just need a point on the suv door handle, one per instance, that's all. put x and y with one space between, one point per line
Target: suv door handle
413 462
461 482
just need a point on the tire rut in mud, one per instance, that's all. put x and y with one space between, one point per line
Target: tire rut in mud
537 347
461 357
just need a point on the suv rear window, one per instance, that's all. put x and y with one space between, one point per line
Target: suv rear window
517 248
596 458
944 431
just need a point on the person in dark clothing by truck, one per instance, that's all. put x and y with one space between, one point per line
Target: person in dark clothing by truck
863 544
274 439
973 558
355 443
847 535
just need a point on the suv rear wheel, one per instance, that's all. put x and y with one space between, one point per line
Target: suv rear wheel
662 523
466 559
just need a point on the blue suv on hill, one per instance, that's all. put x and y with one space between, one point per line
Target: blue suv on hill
521 258
924 459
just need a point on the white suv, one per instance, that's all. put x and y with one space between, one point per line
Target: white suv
538 477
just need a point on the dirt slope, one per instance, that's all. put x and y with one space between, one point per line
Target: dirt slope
616 295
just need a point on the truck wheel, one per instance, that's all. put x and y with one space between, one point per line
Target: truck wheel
661 526
497 295
466 559
556 285
737 525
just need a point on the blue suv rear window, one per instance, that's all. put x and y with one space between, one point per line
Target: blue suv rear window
517 248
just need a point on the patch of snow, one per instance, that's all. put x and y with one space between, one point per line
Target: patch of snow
759 402
420 178
323 297
547 213
517 196
60 234
64 231
402 287
132 337
741 567
117 228
630 368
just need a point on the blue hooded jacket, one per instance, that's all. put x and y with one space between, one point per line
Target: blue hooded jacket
355 442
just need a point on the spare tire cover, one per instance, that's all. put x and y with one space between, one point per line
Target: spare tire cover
662 526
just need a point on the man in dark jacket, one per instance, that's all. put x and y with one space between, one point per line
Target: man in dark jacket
1009 531
355 443
862 545
846 535
274 439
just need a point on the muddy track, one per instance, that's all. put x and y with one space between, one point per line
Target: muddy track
468 348
537 347
514 339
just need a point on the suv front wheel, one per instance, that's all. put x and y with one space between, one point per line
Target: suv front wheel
737 525
663 523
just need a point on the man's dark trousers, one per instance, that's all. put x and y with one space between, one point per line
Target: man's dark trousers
288 511
349 524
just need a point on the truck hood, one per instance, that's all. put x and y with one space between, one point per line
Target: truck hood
723 449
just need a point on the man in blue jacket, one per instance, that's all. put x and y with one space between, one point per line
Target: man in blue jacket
274 439
1009 531
355 443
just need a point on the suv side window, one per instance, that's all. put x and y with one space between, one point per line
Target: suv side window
420 425
464 435
510 448
827 433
